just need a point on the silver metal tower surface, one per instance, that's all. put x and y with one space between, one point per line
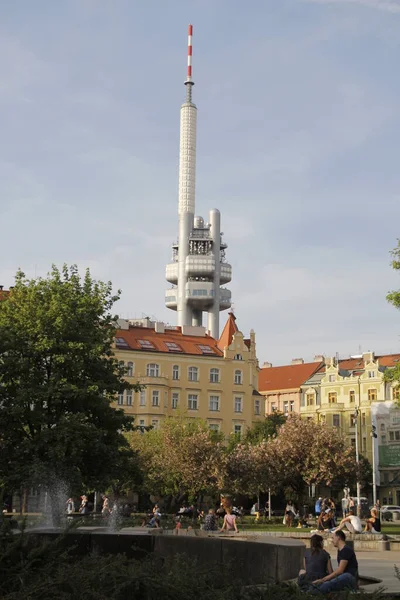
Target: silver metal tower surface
198 268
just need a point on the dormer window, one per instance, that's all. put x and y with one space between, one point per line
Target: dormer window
332 378
371 374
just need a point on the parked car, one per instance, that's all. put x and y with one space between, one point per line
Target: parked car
388 510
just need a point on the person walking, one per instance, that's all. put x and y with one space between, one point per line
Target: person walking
84 507
105 509
346 574
318 507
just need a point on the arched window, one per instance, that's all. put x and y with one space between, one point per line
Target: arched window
214 375
238 376
153 370
193 374
131 368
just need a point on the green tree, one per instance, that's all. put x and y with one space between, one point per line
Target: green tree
392 375
58 381
181 459
262 430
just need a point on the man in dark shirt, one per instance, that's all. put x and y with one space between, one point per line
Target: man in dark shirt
346 574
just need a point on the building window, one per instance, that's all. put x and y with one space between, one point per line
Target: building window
214 427
175 399
257 407
292 406
286 407
175 372
364 444
141 423
391 436
273 407
397 435
238 404
193 374
121 399
155 398
237 430
153 370
372 395
310 399
332 378
238 357
214 403
396 393
192 401
383 439
332 397
336 420
352 396
130 370
371 374
238 377
353 442
382 426
154 423
363 420
142 398
214 375
353 420
129 398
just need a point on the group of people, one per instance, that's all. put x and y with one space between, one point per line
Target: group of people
86 507
318 576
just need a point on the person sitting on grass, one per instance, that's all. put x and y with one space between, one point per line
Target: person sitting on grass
317 563
345 577
229 521
373 524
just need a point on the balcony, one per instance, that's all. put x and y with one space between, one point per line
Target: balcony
171 298
225 299
200 266
151 381
171 272
226 273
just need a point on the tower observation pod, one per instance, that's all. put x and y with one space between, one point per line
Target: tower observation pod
198 266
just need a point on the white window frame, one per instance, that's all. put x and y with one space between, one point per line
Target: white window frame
214 375
142 398
193 374
237 429
213 426
175 400
257 407
214 400
238 377
286 407
155 394
120 400
175 372
129 397
152 370
130 369
238 401
193 402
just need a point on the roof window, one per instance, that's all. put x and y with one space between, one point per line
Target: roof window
206 349
121 343
146 345
172 347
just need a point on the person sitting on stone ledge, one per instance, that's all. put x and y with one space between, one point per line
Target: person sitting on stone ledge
345 577
317 564
352 523
373 524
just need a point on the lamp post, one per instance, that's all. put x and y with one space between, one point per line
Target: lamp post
374 435
356 412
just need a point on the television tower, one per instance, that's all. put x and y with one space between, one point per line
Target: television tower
198 266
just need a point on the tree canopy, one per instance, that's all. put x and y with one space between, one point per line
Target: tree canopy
392 375
58 379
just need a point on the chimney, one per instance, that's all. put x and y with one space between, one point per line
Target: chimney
297 361
159 327
266 365
319 358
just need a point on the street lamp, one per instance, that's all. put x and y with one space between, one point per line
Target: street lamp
374 435
356 412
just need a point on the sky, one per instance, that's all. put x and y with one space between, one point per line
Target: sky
298 146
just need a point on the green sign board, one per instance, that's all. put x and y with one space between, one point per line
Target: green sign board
389 456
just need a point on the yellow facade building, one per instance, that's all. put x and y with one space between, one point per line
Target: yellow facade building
185 371
350 392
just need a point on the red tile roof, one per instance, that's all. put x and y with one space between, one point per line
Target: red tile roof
146 339
228 332
286 377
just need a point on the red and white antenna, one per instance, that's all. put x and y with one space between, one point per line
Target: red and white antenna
189 65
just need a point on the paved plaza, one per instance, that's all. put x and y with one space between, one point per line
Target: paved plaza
381 566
